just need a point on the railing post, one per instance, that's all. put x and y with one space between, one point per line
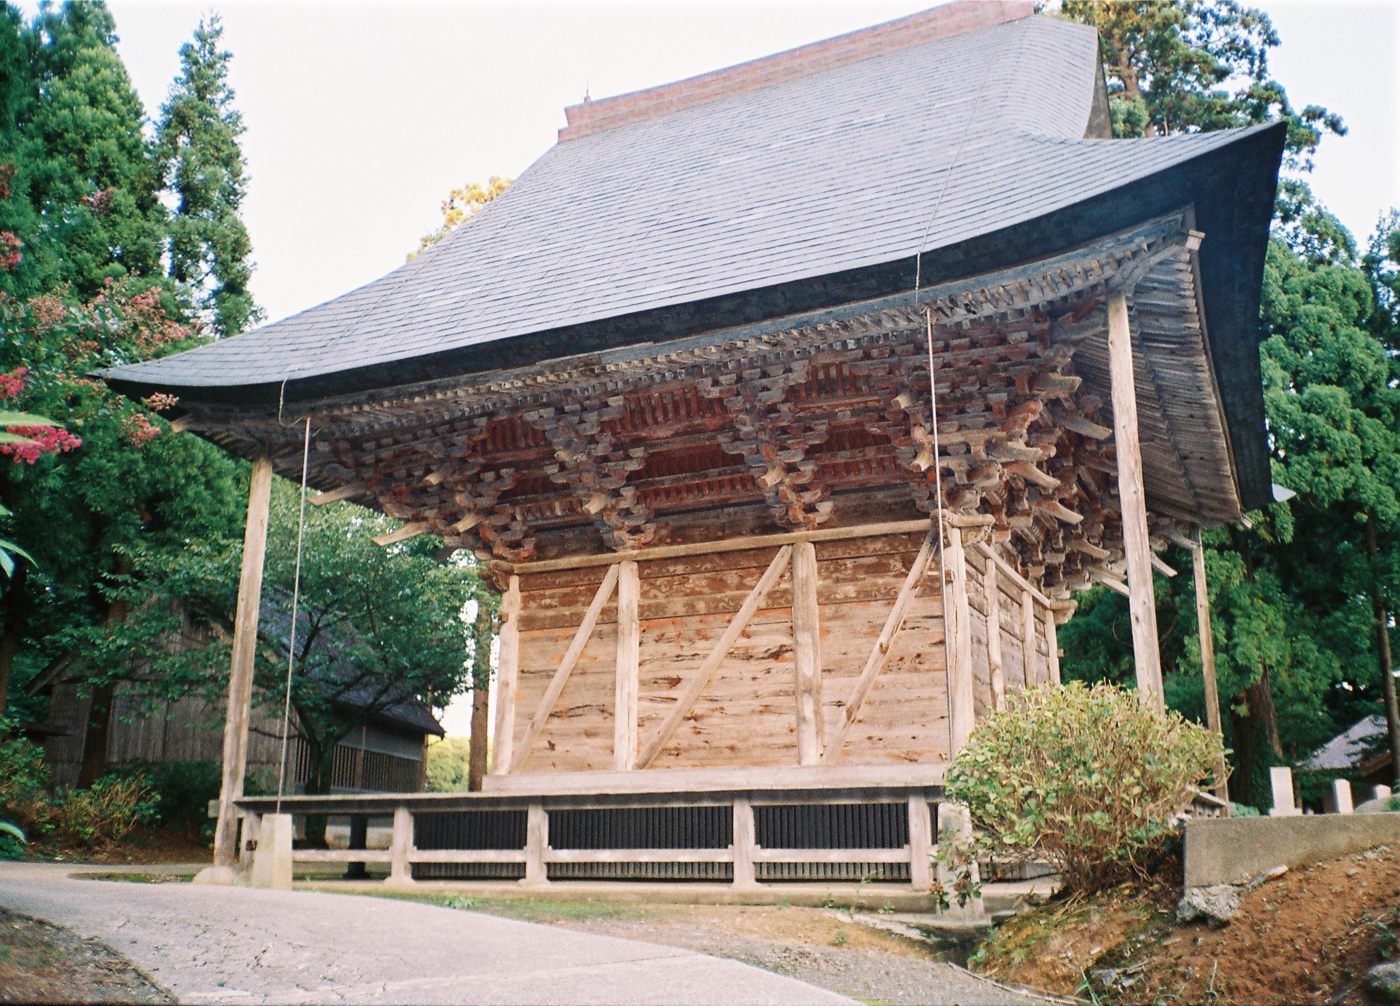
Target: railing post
536 842
743 844
248 840
400 871
920 843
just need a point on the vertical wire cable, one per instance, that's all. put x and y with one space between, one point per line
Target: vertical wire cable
292 635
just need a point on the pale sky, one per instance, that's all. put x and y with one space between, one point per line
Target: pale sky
362 118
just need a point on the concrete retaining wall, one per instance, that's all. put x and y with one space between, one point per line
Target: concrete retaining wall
1237 849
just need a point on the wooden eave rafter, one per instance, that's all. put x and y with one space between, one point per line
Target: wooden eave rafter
807 414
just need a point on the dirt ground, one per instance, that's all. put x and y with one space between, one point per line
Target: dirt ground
44 963
828 947
1306 937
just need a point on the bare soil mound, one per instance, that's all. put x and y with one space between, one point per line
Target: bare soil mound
1306 937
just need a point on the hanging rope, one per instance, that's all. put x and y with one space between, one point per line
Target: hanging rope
296 599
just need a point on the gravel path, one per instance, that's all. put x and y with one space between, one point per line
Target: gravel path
211 945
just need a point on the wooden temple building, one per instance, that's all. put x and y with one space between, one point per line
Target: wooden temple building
676 389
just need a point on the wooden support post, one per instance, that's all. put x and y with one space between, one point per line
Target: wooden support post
957 622
1028 638
400 845
629 641
1207 639
507 678
920 844
996 672
240 682
536 842
1133 499
1052 646
743 844
806 636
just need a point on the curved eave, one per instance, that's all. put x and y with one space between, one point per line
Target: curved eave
1232 188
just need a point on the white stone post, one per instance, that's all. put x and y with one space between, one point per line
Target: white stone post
1341 796
1281 780
272 862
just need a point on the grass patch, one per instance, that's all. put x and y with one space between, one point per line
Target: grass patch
138 878
523 909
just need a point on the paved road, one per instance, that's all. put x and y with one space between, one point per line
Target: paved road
214 945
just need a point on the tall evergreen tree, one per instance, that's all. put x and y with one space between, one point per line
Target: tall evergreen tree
96 186
200 159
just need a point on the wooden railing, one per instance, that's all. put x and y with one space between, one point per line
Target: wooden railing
895 821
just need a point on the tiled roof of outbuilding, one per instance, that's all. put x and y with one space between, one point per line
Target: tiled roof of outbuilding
857 154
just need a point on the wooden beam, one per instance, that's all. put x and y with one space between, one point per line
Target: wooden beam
181 424
1161 566
707 669
996 671
409 530
1009 571
536 845
240 681
684 784
1207 639
629 641
880 652
744 843
1117 586
726 545
1028 656
957 634
566 667
335 495
807 654
1052 646
920 844
507 678
1133 499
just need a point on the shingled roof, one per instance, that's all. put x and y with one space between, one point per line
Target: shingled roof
972 133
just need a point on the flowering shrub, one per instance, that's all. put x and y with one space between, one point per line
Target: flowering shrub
1086 778
10 246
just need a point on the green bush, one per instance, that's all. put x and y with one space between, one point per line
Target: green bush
183 791
24 781
1085 778
104 813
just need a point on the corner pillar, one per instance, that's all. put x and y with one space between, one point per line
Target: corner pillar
1133 499
240 684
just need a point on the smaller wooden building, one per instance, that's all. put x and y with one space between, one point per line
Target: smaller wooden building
787 405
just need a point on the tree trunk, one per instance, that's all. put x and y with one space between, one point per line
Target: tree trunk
1260 698
1381 613
98 731
322 769
1246 754
15 622
481 713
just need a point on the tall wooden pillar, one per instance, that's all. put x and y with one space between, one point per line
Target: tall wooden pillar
240 682
481 699
1212 696
807 655
996 673
507 678
629 641
1029 664
957 620
1133 499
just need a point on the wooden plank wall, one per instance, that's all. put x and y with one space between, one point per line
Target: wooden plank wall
747 714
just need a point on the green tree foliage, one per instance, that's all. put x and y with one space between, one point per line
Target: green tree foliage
448 764
1196 65
374 628
459 207
199 157
93 180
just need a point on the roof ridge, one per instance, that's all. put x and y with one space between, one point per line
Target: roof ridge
945 21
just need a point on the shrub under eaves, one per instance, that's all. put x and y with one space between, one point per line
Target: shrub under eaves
1086 778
